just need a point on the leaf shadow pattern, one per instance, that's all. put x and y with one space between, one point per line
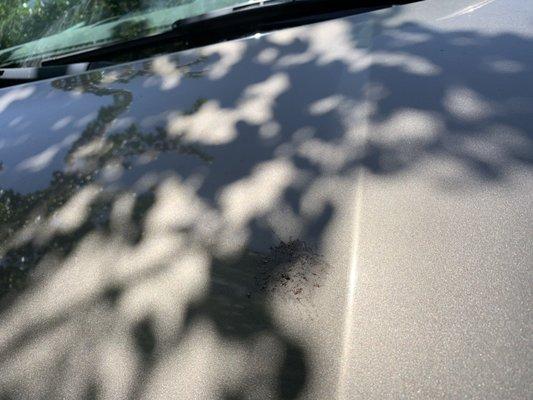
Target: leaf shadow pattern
155 261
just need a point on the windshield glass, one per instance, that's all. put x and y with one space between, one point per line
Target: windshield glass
34 30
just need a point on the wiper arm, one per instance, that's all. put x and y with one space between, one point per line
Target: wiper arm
284 9
227 24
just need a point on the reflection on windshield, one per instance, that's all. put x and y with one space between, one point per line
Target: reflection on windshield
31 28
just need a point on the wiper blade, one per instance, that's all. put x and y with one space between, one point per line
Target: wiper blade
227 24
287 9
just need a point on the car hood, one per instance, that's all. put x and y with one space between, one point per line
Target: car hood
340 209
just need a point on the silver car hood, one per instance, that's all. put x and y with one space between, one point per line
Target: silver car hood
339 210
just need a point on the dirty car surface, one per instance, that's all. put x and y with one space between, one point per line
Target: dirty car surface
334 210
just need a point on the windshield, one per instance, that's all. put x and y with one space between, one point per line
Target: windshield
34 30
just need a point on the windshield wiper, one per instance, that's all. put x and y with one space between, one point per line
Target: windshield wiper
226 24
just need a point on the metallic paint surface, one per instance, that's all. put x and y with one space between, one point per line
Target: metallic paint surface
396 145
